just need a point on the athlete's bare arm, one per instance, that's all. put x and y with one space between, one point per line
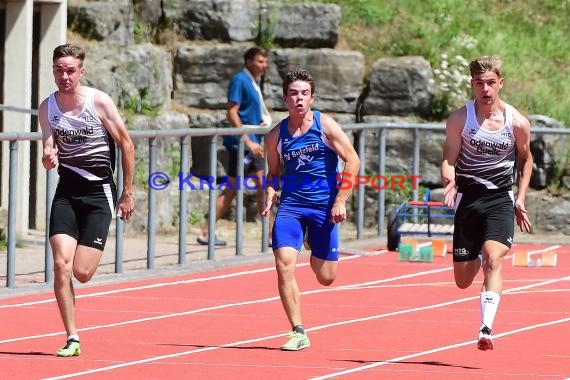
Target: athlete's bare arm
274 169
49 157
451 148
521 128
342 146
111 119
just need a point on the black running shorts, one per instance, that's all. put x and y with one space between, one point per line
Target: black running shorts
482 216
83 212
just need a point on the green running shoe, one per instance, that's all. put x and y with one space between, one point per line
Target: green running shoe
71 348
297 341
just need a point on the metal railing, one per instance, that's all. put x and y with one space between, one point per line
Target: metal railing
360 130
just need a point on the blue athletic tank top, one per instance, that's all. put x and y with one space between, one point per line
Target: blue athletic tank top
310 166
486 158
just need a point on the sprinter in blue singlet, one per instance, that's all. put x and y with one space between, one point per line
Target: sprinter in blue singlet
307 146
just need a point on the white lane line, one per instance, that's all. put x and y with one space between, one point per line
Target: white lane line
551 248
178 354
225 306
439 349
161 284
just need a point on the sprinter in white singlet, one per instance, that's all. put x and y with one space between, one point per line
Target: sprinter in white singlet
80 126
485 140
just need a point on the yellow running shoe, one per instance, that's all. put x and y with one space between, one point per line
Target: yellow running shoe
297 341
71 348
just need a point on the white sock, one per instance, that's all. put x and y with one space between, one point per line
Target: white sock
489 305
74 337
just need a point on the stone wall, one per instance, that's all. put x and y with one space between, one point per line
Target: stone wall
172 61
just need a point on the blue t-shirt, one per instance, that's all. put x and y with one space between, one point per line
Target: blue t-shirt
310 166
242 91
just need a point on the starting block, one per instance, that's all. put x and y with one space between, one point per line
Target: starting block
439 247
410 250
425 254
549 259
521 259
406 251
546 259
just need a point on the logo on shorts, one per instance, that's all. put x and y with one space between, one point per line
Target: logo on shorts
461 251
98 241
510 240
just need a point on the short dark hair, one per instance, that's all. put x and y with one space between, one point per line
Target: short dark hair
251 53
298 75
69 50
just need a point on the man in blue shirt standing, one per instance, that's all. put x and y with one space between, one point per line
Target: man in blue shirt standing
245 107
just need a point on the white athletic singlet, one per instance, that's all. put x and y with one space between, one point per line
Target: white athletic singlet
84 144
486 158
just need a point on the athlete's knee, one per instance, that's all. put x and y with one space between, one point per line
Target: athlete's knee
61 267
325 279
83 275
285 269
465 272
493 264
463 283
62 272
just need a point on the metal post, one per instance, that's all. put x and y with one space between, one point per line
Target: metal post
239 201
264 221
382 170
151 237
212 200
183 206
361 189
119 224
12 199
50 182
416 160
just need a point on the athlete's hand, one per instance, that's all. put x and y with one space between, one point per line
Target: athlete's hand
522 217
449 194
270 200
126 206
338 212
50 160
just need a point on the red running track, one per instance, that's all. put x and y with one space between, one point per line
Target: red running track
382 319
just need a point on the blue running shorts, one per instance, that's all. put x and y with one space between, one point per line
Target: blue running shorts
292 222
